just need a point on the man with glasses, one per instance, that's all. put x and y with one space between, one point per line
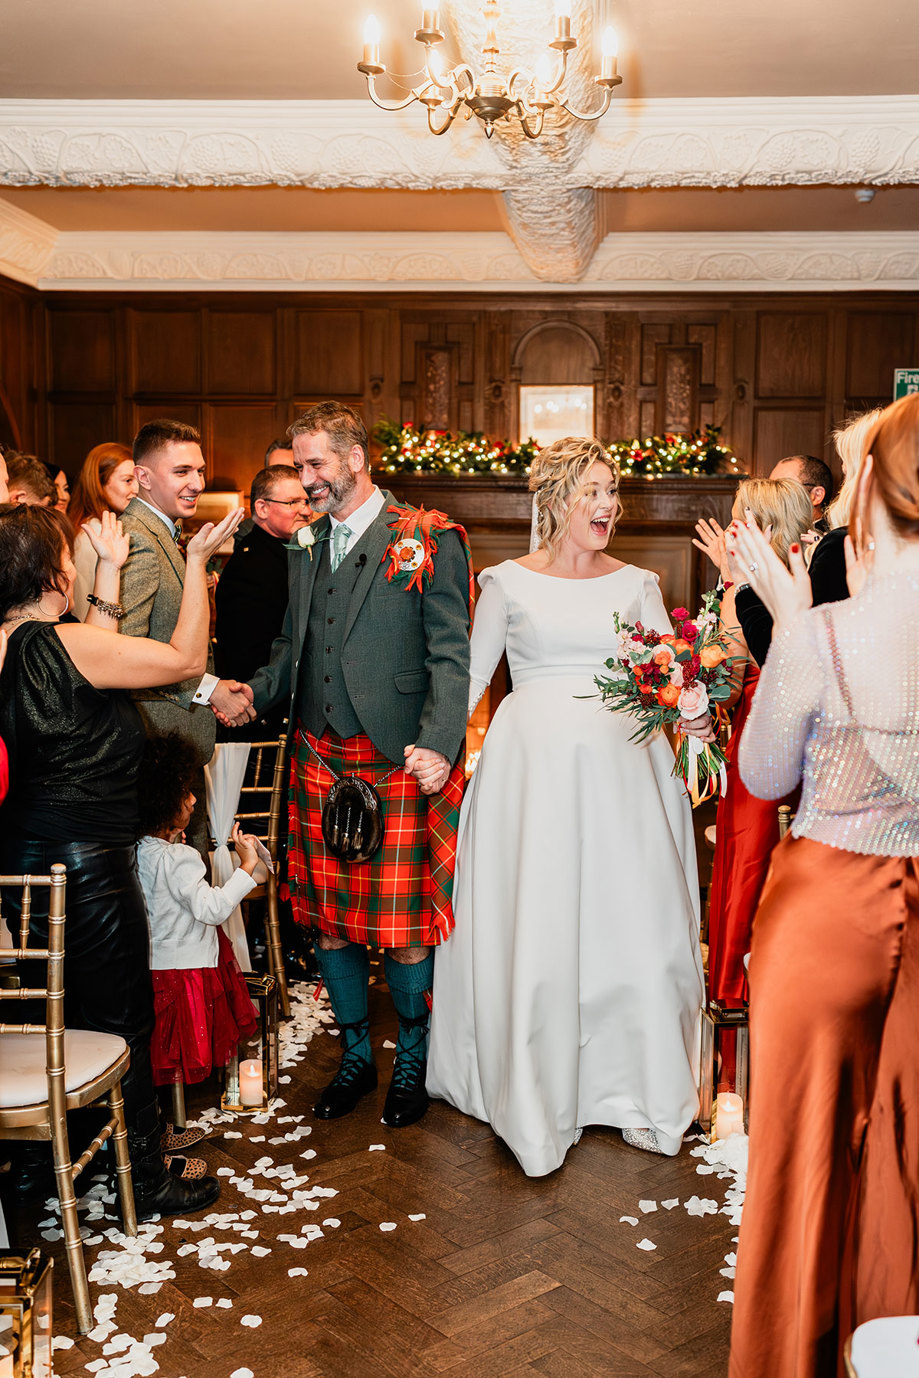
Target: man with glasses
252 590
814 475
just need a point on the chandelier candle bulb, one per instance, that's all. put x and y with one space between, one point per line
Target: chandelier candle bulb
562 18
610 49
372 41
542 77
430 20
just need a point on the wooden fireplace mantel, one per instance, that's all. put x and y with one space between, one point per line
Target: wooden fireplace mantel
655 531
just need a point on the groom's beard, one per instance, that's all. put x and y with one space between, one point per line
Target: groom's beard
336 491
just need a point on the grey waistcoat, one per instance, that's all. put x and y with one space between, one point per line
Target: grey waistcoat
323 693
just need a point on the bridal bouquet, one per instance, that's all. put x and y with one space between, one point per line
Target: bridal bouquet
662 678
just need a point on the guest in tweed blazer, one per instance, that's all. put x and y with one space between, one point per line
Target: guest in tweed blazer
170 471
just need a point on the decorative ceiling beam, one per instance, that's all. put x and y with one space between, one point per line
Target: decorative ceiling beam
369 262
869 140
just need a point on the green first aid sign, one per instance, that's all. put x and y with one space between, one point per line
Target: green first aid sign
905 381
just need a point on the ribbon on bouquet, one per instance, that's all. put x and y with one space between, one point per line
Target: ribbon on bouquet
702 766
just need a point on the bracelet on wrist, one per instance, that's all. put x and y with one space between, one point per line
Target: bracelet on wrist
111 609
739 588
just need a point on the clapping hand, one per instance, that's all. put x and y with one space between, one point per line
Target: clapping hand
786 593
208 540
430 768
858 565
231 703
711 541
107 538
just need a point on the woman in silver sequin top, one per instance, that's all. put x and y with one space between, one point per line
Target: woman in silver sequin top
831 1221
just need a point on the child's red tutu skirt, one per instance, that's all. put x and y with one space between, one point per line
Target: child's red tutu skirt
201 1015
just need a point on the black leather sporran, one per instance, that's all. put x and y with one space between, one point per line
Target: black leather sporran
352 819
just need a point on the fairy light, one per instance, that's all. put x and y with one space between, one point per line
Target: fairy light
408 450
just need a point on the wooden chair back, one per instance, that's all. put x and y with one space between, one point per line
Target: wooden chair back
262 801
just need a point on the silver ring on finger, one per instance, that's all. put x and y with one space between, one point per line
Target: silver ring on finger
752 567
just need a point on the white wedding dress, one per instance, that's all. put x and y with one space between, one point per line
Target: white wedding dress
569 993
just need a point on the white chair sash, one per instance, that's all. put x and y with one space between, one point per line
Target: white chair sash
224 778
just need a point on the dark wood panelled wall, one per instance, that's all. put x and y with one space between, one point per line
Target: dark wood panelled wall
777 372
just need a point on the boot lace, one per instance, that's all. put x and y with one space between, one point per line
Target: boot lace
412 1057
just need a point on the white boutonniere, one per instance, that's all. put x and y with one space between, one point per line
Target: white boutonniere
306 539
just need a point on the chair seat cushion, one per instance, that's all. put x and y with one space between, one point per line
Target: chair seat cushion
23 1078
887 1346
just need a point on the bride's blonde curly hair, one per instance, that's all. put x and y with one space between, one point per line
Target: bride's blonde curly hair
557 479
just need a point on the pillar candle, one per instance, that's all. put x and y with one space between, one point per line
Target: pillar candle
728 1114
250 1083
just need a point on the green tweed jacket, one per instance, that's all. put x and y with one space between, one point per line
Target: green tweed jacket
405 656
151 594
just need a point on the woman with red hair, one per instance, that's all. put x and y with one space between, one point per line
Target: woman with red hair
106 483
831 1219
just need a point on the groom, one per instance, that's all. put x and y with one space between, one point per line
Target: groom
373 661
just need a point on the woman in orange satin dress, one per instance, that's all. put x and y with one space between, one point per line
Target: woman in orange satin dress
746 828
830 1230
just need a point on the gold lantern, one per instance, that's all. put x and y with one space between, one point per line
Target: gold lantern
252 1073
724 1084
25 1314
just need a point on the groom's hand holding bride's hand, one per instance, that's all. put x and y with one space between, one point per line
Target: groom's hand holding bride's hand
429 768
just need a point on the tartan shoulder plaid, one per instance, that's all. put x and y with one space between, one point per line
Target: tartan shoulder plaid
419 528
402 896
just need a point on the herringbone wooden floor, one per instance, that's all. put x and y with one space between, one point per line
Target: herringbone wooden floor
503 1276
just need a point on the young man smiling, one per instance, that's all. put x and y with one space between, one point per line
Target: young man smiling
170 470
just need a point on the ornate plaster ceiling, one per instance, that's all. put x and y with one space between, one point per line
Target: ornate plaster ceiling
261 115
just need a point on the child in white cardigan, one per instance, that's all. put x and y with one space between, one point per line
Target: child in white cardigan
201 1003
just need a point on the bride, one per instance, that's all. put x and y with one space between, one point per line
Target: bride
569 993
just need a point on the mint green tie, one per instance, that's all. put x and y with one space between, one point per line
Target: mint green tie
340 537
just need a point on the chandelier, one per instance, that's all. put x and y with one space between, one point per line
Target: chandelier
493 94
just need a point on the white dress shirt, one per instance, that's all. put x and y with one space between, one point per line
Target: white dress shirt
183 910
361 518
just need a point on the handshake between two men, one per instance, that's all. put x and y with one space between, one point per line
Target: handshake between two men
232 704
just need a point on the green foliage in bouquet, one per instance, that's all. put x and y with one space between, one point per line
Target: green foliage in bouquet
408 450
656 455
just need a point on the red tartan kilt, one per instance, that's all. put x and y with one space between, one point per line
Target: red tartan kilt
401 896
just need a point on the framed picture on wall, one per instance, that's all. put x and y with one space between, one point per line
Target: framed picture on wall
551 411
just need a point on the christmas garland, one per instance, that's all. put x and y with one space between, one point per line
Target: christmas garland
656 455
407 450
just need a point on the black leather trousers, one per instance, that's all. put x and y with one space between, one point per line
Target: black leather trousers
107 986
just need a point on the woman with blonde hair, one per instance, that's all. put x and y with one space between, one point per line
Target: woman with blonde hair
105 483
569 993
831 1219
746 829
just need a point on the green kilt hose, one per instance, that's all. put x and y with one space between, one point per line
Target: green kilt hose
402 896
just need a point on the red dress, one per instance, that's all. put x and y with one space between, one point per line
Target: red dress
201 1015
747 829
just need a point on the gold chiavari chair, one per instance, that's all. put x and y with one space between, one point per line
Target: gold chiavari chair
264 793
46 1070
